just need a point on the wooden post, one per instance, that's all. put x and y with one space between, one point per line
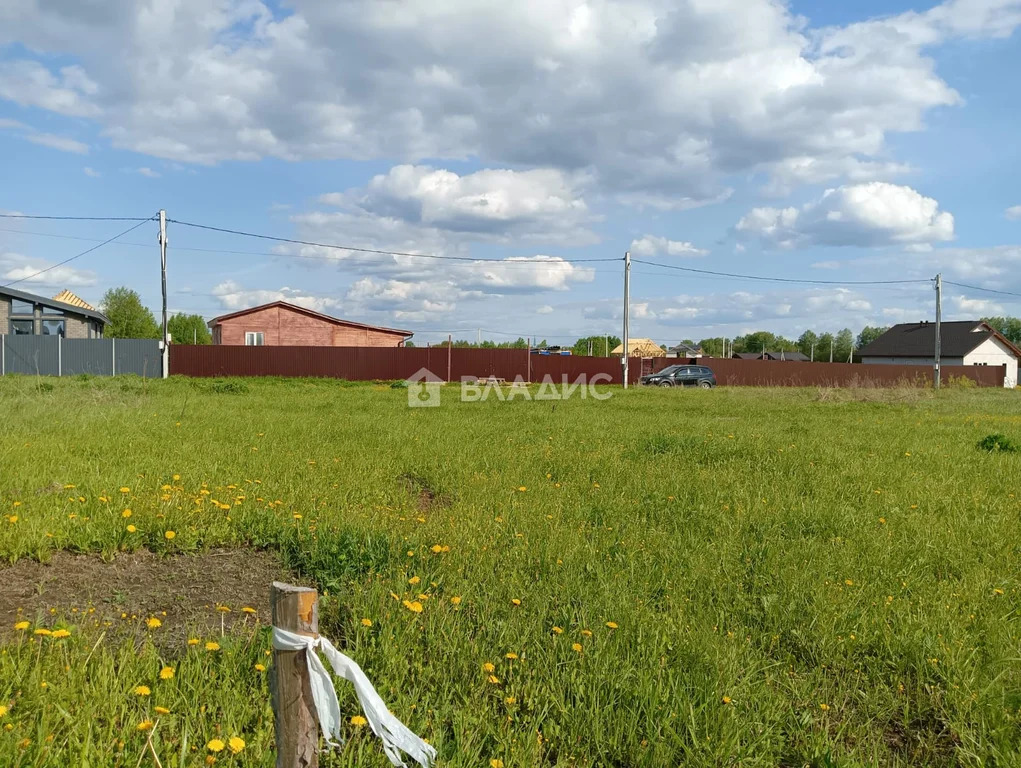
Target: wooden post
295 609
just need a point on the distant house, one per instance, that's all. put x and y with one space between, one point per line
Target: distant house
65 315
791 356
640 348
967 342
684 350
280 324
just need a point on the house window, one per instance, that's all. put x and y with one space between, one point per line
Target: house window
52 310
53 328
253 339
20 307
22 327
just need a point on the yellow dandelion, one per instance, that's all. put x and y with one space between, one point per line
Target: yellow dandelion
169 535
488 667
215 745
167 673
587 632
131 529
161 710
997 591
455 600
61 633
12 519
496 763
248 609
436 549
512 656
153 623
125 489
576 647
848 582
366 622
726 700
414 580
522 488
43 632
515 601
413 606
223 608
611 624
824 707
142 690
4 710
260 667
494 680
145 725
126 513
21 626
235 744
882 521
193 641
212 646
558 630
358 721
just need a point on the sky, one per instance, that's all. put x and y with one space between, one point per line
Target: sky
529 144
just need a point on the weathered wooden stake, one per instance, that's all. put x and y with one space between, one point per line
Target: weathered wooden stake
295 609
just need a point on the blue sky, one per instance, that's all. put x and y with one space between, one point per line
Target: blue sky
829 141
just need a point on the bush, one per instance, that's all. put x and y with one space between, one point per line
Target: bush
998 443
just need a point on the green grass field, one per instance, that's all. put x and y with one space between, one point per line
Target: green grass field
740 576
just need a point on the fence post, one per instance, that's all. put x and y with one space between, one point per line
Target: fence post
113 357
3 354
295 609
60 356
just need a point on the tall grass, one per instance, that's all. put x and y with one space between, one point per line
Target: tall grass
739 576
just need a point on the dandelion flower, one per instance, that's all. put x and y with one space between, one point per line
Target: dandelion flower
215 745
42 631
848 582
522 488
576 647
436 549
248 609
169 535
358 721
142 690
153 623
587 632
558 630
236 744
125 489
212 646
366 622
488 667
126 513
131 529
512 656
193 641
21 626
997 591
145 725
61 633
167 673
611 624
496 763
3 710
455 600
414 607
494 680
824 707
223 608
260 667
726 700
515 601
414 580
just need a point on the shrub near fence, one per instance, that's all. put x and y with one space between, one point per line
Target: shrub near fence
390 363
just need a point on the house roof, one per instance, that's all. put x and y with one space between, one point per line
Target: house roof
73 299
957 339
640 348
790 355
311 313
682 347
57 303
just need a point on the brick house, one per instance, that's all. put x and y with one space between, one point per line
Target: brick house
65 315
280 324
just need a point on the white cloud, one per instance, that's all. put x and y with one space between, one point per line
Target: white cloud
149 173
541 204
667 100
63 143
233 296
91 172
545 309
1013 213
976 307
872 214
650 245
14 266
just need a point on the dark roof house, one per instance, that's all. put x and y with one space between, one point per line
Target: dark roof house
67 315
791 356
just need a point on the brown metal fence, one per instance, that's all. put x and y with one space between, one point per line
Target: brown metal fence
377 363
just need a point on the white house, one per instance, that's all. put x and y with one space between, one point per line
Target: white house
968 342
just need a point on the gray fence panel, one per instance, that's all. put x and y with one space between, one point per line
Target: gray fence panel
139 356
93 356
33 355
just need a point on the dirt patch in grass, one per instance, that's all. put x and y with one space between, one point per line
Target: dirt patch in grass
182 591
426 499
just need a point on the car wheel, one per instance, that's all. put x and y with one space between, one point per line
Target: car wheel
665 383
705 384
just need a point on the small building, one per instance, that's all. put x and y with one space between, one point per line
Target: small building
685 350
280 324
784 355
966 342
65 315
640 348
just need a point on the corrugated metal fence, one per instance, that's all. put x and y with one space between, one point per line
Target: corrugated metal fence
54 356
386 364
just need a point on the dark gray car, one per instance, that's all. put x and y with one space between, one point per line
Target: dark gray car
682 376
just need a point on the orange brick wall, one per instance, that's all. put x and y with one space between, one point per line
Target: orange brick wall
285 328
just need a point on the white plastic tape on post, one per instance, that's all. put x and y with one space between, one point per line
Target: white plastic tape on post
395 735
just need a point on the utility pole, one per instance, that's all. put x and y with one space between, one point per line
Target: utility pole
479 342
606 345
812 359
627 311
164 347
832 341
939 320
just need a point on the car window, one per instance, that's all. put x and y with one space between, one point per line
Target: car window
670 370
706 371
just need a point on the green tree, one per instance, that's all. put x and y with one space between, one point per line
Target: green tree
869 334
808 344
188 329
601 345
762 340
1008 326
826 348
129 318
845 341
712 347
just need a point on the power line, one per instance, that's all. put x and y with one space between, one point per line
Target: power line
73 218
78 255
360 250
776 279
977 288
